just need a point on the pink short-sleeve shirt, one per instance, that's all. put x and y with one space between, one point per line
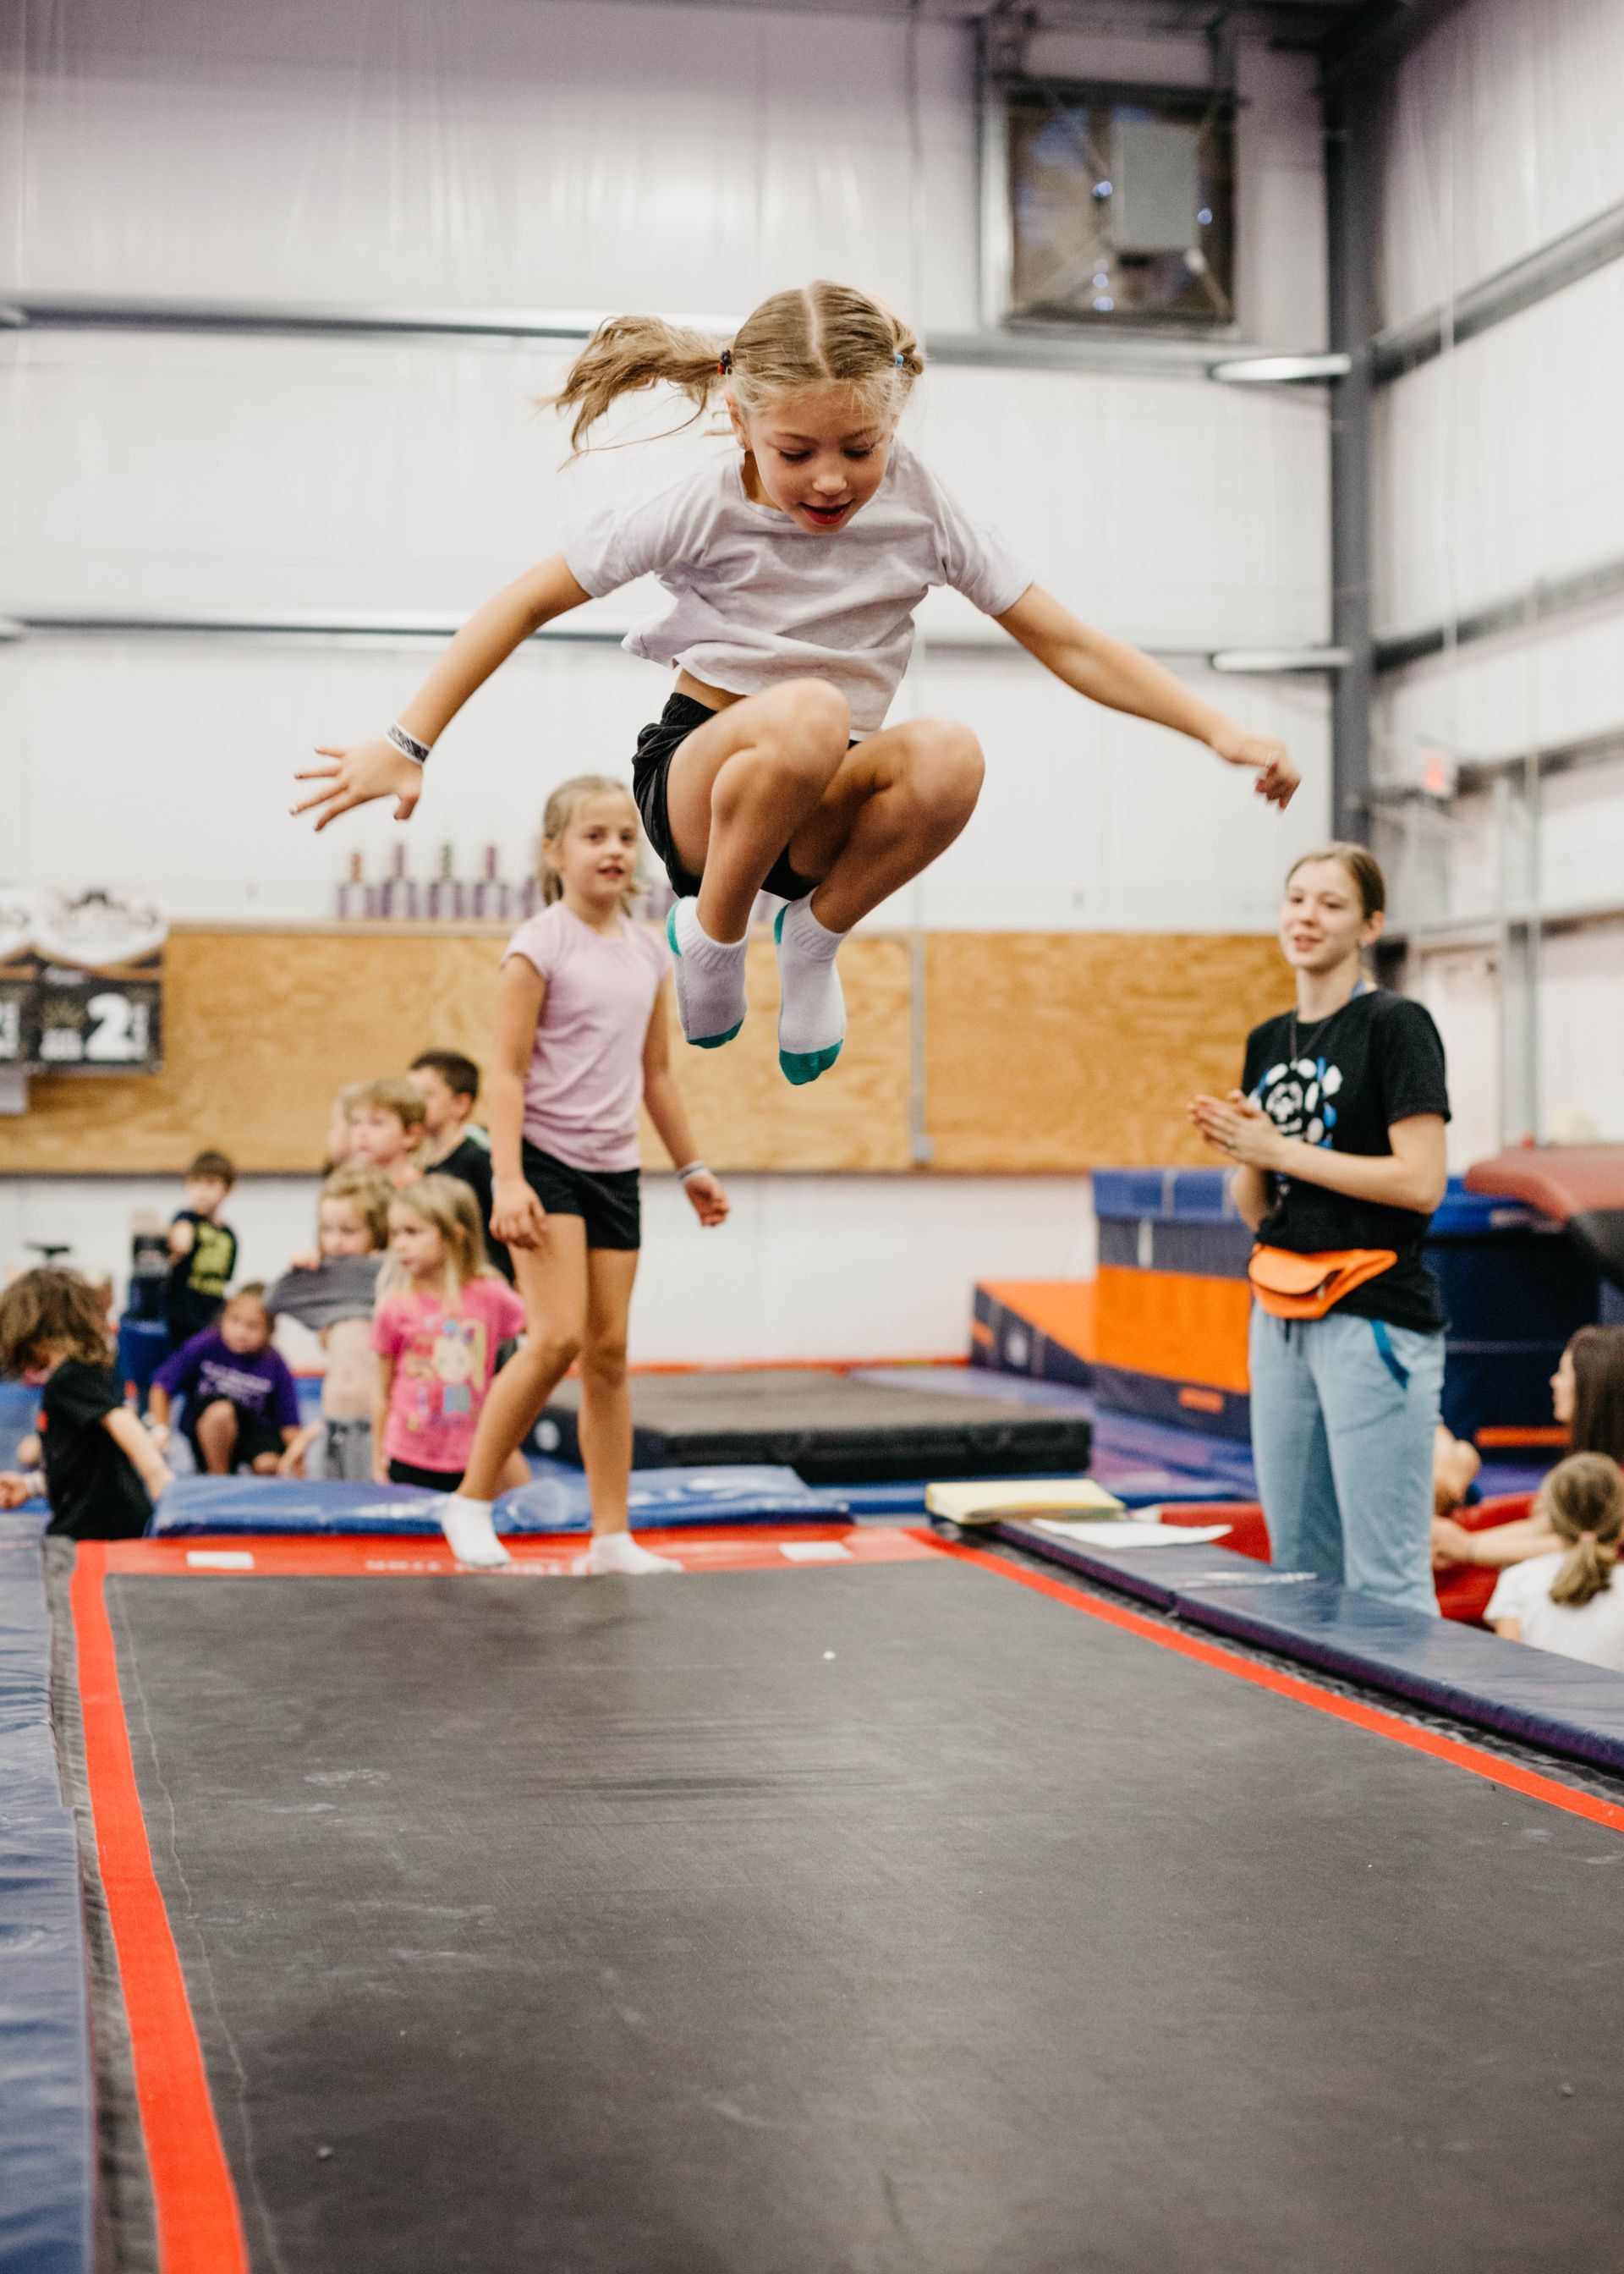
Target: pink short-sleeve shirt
445 1356
585 1079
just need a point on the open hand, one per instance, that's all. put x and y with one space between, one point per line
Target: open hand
517 1217
14 1488
706 1198
356 777
1277 777
1240 1129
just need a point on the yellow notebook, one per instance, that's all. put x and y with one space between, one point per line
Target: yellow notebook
985 1499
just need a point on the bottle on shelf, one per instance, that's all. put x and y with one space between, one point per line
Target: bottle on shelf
356 897
493 895
400 896
447 895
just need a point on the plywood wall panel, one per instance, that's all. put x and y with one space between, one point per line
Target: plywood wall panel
1070 1050
1044 1052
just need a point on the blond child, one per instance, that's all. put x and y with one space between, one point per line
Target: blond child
385 1129
442 1312
1565 1601
581 1038
333 1290
793 566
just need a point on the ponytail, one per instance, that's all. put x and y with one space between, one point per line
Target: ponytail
1582 1500
820 335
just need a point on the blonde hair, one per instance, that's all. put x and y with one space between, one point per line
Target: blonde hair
821 335
561 809
371 1190
392 1093
1364 873
1582 1498
449 1205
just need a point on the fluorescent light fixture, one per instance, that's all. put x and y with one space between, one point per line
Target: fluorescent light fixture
1273 370
1270 660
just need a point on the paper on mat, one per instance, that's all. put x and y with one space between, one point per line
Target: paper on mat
1132 1535
989 1496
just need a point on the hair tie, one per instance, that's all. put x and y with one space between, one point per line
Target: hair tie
899 359
725 362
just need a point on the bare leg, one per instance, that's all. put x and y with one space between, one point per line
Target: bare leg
896 802
606 1395
740 786
551 1280
217 1437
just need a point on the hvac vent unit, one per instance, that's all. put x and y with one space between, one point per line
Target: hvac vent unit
1121 203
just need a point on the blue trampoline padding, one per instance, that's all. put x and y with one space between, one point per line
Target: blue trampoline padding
1557 1703
554 1501
47 2127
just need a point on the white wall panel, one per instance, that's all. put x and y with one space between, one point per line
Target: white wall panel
1556 682
512 153
1581 1064
1504 134
781 1279
1460 989
1503 461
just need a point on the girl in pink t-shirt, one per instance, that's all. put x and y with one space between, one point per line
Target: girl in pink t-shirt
581 1020
441 1315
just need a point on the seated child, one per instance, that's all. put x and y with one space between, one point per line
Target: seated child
241 1407
449 1084
339 1117
385 1129
442 1315
202 1250
1455 1463
1565 1601
103 1468
333 1290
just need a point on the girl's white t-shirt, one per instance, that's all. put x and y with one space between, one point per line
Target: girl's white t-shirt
754 600
585 1079
1593 1631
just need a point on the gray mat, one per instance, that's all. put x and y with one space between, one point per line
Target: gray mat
893 1919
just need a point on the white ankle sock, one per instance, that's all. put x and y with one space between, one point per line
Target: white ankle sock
470 1534
618 1551
811 1006
709 979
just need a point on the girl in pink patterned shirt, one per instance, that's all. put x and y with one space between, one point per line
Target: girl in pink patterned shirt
442 1313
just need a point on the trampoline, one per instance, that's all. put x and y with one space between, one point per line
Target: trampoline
859 1901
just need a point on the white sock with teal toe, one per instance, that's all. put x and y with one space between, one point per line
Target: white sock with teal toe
811 1007
709 979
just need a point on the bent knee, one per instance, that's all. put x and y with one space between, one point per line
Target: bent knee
949 760
548 1353
220 1413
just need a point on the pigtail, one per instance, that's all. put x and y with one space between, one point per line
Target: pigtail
1582 1500
628 353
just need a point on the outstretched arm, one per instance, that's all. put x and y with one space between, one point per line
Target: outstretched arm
376 768
669 1115
1121 678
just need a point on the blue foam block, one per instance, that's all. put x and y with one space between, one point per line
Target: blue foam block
1557 1703
47 2130
555 1501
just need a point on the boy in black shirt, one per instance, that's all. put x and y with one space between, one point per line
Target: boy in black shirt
449 1084
1337 1135
202 1250
102 1470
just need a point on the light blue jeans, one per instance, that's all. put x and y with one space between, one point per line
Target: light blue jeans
1343 1450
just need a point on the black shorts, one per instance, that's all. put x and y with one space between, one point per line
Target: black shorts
254 1435
657 746
440 1480
609 1201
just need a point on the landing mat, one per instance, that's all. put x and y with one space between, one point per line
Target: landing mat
915 1917
831 1428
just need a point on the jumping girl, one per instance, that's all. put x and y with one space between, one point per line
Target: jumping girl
793 569
581 1037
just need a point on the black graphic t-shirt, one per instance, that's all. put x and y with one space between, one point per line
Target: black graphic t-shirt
94 1490
198 1279
1342 1082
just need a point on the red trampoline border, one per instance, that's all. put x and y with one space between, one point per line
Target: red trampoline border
198 2225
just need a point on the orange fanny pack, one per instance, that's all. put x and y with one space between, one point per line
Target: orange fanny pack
1290 1286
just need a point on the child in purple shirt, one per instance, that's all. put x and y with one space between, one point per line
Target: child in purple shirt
242 1404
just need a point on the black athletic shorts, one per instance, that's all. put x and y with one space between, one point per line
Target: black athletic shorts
657 746
608 1200
443 1480
254 1435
